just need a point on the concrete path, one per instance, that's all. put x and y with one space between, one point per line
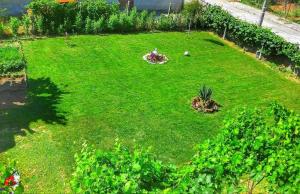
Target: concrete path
288 30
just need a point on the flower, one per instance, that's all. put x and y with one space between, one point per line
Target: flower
13 180
10 181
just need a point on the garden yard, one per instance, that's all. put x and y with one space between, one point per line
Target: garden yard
99 88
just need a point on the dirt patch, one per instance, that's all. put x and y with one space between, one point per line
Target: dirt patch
12 92
290 7
207 107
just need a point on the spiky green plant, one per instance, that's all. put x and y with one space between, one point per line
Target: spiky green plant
205 93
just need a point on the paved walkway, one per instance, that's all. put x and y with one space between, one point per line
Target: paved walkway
289 31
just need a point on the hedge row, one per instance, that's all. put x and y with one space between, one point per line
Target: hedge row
249 35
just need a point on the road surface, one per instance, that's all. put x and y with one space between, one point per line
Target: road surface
288 30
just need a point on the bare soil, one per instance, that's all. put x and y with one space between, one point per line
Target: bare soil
12 92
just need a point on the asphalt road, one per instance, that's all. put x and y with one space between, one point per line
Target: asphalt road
288 30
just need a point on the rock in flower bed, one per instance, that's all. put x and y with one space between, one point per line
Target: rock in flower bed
204 103
155 58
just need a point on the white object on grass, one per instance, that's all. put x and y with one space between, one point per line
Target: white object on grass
186 53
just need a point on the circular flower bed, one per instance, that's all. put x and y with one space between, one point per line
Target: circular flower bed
155 58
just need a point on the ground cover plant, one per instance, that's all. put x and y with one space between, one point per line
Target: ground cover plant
11 59
100 88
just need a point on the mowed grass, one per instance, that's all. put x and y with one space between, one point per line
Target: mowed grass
98 88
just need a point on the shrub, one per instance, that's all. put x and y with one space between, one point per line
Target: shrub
79 23
70 15
250 148
11 60
89 25
150 23
113 23
1 29
26 22
193 12
99 26
14 25
142 20
125 24
119 171
164 23
39 25
133 17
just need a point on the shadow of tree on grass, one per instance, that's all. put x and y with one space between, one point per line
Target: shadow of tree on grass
42 98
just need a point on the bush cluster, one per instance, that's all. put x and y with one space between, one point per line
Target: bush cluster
95 16
11 60
250 149
119 170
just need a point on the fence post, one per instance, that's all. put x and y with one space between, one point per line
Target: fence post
225 31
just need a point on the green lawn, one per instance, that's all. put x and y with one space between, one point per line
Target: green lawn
98 88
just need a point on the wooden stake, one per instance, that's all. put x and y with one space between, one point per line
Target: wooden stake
225 31
190 25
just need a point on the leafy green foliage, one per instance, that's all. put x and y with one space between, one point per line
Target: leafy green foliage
14 25
26 22
193 11
11 60
99 26
205 93
249 146
113 23
1 29
72 16
119 171
89 25
249 35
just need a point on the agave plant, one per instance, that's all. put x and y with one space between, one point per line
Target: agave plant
205 93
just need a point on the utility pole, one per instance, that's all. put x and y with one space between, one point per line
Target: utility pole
264 9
